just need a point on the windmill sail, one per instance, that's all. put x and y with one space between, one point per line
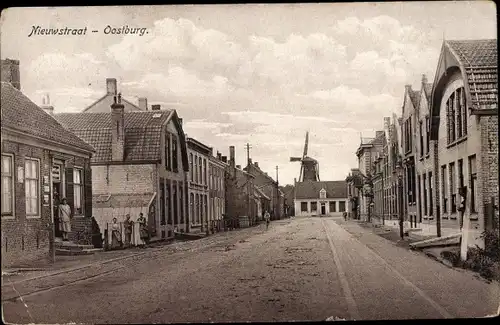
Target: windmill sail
309 168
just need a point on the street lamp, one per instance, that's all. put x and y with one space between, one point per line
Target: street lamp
399 172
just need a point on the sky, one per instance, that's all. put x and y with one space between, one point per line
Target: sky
262 74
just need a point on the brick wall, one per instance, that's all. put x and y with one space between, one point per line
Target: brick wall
488 178
126 179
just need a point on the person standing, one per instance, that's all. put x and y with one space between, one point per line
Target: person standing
267 217
128 227
64 218
143 229
116 238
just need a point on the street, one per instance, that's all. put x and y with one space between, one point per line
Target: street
299 269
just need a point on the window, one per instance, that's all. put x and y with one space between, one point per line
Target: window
200 171
473 183
78 190
333 206
453 188
31 181
456 112
420 192
205 180
175 217
427 134
168 153
7 185
444 189
421 130
424 182
163 207
191 169
303 206
322 194
191 207
314 206
174 154
195 179
460 173
431 210
341 206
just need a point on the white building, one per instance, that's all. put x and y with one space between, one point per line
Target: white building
320 198
217 190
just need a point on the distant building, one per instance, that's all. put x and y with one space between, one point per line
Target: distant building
269 187
320 198
464 113
241 195
41 164
199 155
217 189
102 104
140 166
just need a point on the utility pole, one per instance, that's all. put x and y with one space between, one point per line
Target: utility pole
277 195
249 187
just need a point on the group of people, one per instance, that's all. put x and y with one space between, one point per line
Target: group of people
128 227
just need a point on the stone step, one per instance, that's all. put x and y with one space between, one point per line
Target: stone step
70 252
73 246
191 236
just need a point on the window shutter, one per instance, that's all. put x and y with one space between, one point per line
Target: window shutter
70 195
87 190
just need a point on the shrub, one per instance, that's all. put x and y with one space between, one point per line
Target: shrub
492 244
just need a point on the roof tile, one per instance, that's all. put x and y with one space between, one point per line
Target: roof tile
310 189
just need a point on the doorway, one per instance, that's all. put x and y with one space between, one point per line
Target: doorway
323 209
57 196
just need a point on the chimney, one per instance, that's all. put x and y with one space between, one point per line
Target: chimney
111 86
49 109
143 103
249 161
408 88
117 129
180 120
219 155
379 134
256 164
224 159
231 155
424 79
156 107
10 73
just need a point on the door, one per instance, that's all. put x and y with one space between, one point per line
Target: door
323 209
56 190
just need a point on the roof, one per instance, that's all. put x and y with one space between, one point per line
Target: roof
480 61
310 189
414 96
21 114
102 105
142 133
428 90
261 193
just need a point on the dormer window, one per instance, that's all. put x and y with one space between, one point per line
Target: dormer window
322 194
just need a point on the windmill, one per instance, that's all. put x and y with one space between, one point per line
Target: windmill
309 167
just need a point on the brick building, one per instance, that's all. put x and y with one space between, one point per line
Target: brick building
320 198
242 198
217 189
408 127
140 166
368 150
269 187
41 163
464 122
199 155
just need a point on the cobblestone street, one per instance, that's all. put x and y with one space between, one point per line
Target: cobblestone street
299 269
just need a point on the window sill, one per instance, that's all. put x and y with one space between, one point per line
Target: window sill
79 216
474 216
456 142
32 217
8 217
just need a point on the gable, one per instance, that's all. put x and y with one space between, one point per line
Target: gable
103 105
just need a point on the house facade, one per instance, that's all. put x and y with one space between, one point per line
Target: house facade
464 122
140 166
198 186
40 166
241 194
320 198
269 187
368 150
408 126
217 189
